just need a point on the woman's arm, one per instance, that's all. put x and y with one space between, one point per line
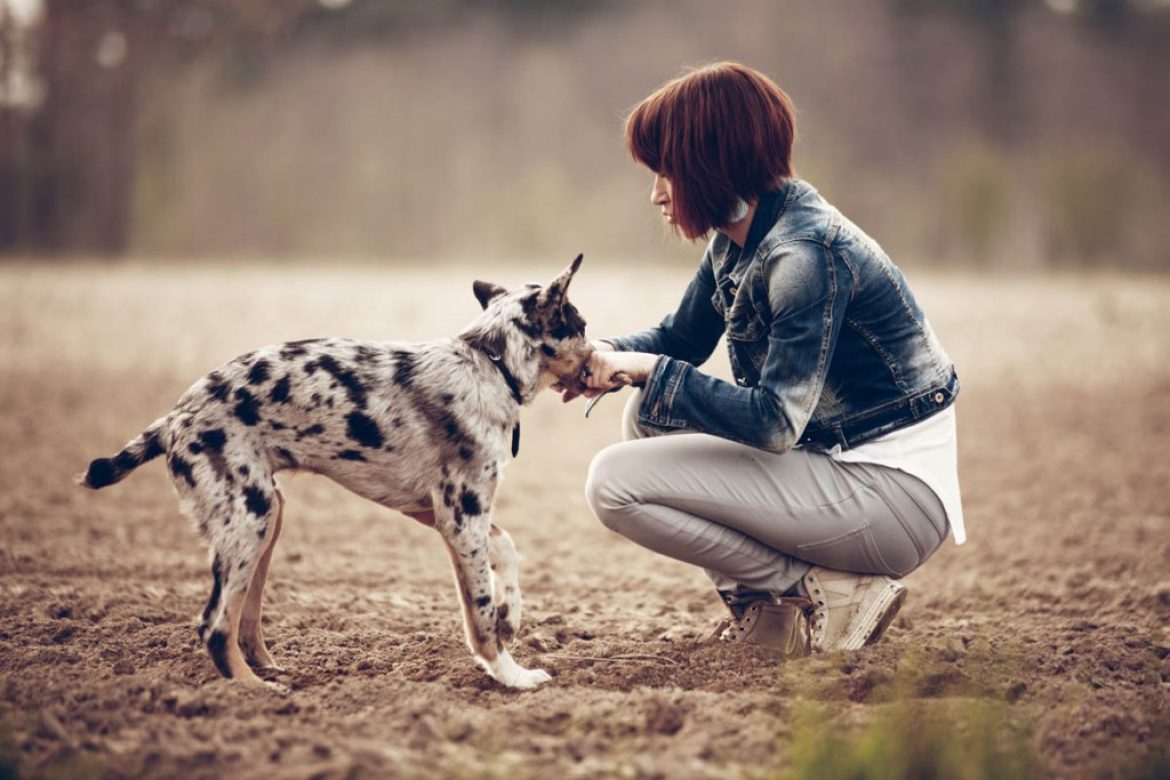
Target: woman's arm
807 296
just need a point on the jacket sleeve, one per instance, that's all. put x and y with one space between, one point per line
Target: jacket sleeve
807 297
691 332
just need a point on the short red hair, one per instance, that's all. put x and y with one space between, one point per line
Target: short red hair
719 133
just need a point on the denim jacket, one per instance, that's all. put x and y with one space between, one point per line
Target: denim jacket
828 345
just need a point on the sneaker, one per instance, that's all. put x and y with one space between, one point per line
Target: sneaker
850 610
781 624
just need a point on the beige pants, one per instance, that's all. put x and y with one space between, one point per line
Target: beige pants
757 521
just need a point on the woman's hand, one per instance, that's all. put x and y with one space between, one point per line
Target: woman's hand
608 369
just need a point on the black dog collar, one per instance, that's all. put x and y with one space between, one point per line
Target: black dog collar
514 386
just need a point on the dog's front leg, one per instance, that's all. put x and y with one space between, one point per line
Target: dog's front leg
466 536
504 560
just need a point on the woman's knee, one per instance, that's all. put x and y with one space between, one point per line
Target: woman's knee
607 487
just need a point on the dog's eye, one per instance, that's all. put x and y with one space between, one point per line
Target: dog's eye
546 349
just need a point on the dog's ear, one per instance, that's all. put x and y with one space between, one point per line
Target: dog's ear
486 292
554 294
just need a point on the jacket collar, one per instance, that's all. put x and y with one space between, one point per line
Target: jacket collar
734 262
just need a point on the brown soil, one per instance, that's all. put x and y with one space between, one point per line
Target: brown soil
1056 611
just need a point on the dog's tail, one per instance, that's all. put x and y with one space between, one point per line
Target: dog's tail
143 447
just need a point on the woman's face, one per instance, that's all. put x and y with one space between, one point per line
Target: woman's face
660 196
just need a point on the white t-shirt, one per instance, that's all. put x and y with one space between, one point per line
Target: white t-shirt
927 450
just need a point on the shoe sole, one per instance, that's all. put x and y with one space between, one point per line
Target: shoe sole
881 613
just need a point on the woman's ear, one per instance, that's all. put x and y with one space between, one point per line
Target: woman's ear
486 292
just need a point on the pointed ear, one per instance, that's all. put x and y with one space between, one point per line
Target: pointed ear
556 290
486 292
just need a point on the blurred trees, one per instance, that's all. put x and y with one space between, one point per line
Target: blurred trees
954 130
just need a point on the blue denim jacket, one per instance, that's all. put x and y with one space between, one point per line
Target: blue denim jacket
828 345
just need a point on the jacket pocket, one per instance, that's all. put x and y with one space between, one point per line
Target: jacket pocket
744 323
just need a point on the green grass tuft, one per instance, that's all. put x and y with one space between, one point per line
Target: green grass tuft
964 739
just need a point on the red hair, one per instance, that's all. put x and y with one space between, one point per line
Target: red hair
719 133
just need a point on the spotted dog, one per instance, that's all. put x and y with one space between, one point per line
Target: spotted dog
422 428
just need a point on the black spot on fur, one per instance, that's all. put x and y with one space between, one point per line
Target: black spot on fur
217 646
469 500
347 378
567 324
279 393
154 448
126 460
527 327
244 470
256 501
316 429
454 431
248 408
181 468
405 365
458 515
548 351
287 457
276 426
351 455
362 429
364 354
218 389
447 399
101 473
448 495
259 373
216 590
214 439
195 448
466 452
483 601
528 302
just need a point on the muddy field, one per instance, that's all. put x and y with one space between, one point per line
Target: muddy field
1039 648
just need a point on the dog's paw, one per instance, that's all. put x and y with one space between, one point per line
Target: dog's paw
527 679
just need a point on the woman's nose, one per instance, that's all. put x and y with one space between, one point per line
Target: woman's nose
658 193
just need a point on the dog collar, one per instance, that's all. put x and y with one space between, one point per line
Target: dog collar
514 386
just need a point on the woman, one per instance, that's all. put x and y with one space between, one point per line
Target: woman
828 469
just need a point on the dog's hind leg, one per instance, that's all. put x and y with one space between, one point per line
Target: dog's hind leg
462 517
239 542
251 634
503 558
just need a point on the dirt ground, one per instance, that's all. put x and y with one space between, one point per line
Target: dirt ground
1046 637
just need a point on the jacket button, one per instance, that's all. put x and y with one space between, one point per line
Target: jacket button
739 380
939 398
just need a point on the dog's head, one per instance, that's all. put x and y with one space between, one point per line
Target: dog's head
534 331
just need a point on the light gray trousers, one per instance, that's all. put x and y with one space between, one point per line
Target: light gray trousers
757 521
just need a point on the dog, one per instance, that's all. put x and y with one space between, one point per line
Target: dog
425 429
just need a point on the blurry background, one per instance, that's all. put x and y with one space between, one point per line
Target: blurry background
997 133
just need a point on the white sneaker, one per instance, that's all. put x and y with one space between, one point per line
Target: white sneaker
850 610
